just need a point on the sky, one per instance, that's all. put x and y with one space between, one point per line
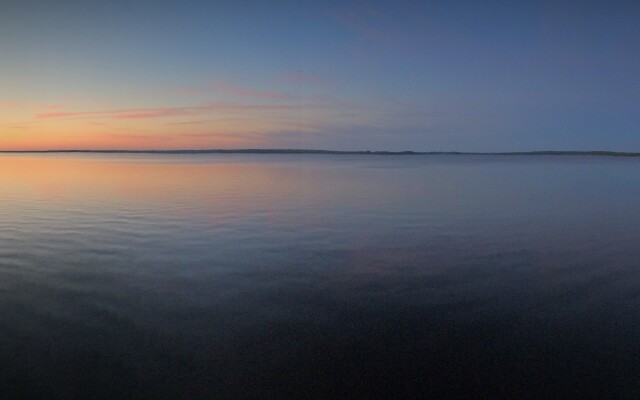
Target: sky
361 75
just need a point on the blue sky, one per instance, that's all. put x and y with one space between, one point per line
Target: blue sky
467 76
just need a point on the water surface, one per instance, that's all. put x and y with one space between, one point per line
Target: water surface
319 276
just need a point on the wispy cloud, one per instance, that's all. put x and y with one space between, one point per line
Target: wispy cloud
380 34
206 108
242 136
236 91
291 80
116 114
367 21
153 113
319 103
133 136
299 78
200 121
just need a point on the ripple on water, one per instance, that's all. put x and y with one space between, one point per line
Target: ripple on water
275 277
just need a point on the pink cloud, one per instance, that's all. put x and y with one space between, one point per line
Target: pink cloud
310 103
230 90
142 113
133 136
152 113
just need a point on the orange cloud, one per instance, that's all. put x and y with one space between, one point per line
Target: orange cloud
212 106
136 113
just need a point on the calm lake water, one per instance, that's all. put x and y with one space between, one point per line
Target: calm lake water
319 276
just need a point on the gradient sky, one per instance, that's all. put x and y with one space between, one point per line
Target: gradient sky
362 75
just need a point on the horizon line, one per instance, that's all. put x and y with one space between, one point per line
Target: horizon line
338 152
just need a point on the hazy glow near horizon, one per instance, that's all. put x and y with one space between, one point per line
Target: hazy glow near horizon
409 75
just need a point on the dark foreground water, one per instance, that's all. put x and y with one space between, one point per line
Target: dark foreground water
319 277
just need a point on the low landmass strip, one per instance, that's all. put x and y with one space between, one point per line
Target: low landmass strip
310 151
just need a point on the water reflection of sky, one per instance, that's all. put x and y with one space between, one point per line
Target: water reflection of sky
277 274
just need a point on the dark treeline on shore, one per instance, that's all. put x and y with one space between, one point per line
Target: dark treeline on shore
310 151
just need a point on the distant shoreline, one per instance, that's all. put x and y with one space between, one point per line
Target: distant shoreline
337 152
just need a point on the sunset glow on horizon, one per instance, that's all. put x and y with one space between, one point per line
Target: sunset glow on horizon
369 75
